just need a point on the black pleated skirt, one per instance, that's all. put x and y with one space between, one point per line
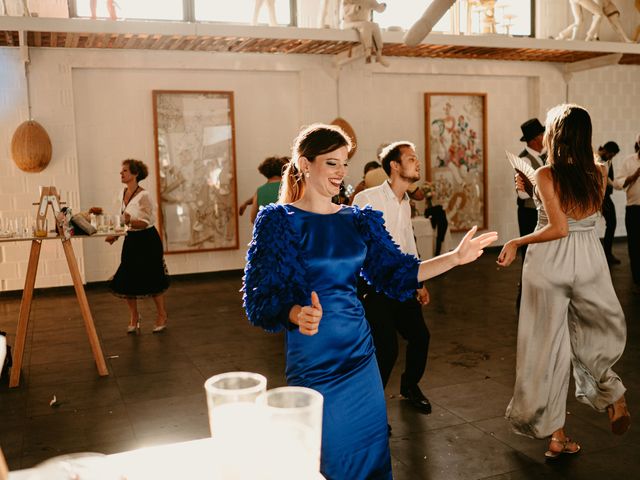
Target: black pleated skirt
142 271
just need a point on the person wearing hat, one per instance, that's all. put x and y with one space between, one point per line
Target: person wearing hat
606 154
627 179
533 153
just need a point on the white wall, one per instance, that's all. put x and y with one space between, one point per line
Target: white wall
113 116
612 96
397 113
96 106
51 98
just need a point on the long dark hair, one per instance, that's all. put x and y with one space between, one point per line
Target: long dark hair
577 179
314 140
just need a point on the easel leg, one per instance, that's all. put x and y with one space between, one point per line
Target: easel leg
4 469
25 310
84 308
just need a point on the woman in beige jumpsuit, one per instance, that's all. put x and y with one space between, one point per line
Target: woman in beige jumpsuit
570 315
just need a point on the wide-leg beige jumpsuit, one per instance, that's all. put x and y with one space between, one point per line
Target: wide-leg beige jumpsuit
569 316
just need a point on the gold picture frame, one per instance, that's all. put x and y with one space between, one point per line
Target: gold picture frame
456 156
196 170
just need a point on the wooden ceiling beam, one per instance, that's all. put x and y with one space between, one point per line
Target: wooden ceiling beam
78 33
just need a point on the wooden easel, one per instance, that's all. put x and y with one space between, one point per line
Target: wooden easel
50 196
4 469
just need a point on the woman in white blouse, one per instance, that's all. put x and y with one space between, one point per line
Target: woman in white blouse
142 271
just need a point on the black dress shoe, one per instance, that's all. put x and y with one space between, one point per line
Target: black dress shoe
416 398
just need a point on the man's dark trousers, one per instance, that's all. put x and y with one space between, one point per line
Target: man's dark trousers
609 214
387 316
632 222
527 221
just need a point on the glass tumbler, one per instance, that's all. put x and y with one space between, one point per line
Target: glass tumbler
102 224
231 396
118 222
237 426
294 418
41 227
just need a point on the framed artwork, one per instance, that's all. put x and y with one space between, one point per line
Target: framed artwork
196 170
456 156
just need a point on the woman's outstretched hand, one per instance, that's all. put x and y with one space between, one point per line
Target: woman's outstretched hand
508 254
309 316
471 248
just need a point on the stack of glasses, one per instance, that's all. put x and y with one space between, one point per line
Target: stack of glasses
263 435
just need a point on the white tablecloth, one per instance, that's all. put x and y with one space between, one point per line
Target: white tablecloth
192 460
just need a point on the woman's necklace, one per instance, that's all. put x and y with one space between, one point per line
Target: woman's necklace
125 202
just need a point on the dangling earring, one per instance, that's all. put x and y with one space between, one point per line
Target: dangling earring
307 174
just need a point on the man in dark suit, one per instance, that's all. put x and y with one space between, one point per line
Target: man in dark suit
533 153
606 154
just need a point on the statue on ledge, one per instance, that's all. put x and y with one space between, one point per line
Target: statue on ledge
330 14
357 14
271 7
25 13
599 9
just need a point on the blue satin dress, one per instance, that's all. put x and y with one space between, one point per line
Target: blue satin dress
295 252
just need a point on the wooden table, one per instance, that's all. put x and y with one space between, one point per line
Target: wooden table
27 297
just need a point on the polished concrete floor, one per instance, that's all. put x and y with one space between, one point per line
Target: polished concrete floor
154 393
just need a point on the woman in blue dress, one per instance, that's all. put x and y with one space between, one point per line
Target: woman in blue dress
301 275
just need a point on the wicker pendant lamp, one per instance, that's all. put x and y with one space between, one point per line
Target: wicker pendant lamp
31 147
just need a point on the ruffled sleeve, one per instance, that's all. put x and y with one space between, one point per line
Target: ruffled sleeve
385 267
274 276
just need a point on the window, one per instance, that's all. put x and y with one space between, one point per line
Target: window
512 17
228 11
404 14
131 9
241 11
465 16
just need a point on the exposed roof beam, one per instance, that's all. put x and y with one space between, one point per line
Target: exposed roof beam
82 25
